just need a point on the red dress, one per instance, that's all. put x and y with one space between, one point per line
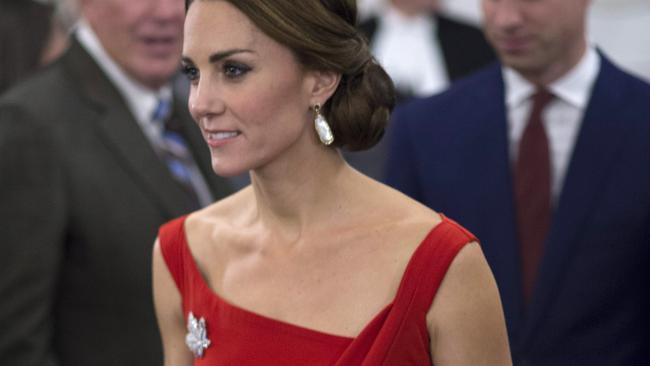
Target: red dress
396 336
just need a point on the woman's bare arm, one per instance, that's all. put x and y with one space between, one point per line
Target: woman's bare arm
167 301
466 321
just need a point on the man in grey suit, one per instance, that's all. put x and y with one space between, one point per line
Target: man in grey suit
92 161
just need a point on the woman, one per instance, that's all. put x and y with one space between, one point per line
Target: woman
313 263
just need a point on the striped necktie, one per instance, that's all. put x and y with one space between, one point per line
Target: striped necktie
173 150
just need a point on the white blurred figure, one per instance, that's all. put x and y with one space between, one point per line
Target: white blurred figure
368 8
418 45
466 10
404 42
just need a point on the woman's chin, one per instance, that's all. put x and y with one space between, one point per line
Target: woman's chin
228 171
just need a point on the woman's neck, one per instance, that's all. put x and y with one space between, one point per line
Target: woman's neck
293 194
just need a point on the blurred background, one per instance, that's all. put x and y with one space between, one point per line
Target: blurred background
621 28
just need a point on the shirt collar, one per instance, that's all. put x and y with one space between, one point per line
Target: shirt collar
574 87
141 100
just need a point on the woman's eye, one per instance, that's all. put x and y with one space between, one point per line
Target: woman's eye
192 73
233 71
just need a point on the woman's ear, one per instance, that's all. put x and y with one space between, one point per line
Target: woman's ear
323 85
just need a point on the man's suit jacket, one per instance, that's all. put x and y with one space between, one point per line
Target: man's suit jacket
82 194
591 301
464 49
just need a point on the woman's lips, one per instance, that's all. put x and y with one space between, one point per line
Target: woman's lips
220 138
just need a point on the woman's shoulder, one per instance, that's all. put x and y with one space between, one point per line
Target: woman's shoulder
224 211
221 219
394 221
422 223
407 211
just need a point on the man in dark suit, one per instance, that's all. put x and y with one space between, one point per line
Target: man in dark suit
87 175
546 158
424 52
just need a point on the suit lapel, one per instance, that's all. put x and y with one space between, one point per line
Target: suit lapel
595 151
495 216
122 135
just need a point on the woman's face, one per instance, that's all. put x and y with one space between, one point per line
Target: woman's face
248 94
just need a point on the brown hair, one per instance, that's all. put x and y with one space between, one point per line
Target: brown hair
323 36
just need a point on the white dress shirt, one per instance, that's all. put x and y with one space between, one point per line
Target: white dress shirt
562 118
410 53
141 100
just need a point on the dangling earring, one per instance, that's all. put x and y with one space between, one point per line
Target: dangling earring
322 127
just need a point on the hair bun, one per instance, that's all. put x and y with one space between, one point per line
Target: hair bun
360 108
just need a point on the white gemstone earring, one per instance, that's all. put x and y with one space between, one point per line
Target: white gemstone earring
322 127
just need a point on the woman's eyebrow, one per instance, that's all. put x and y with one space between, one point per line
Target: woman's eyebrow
216 57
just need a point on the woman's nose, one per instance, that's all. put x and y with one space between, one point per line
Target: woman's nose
205 100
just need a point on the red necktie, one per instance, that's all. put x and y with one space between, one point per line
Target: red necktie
533 192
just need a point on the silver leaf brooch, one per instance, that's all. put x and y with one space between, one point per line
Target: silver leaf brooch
197 335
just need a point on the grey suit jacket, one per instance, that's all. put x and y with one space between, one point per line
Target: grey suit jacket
82 194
